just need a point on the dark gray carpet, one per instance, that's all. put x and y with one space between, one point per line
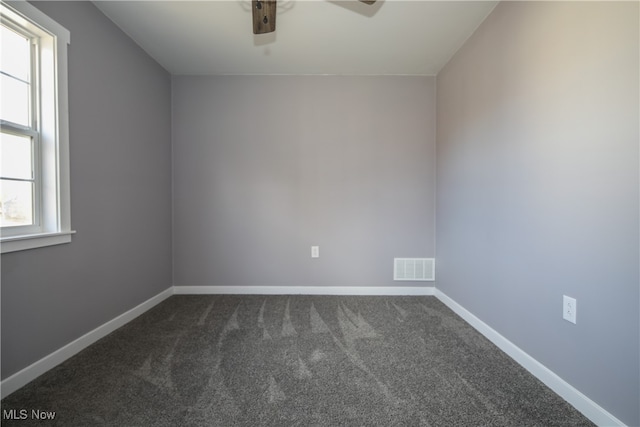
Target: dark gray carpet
293 360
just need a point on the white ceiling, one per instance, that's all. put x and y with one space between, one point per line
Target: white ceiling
391 37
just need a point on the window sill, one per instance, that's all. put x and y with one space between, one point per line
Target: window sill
32 241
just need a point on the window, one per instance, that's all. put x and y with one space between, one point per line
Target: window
34 142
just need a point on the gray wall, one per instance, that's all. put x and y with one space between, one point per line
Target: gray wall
265 167
537 188
120 113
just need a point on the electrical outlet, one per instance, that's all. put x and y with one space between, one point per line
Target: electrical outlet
569 308
315 251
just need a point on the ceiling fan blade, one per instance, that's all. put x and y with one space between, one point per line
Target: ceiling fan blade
264 16
368 1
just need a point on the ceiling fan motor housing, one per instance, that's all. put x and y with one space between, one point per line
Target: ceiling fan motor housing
264 16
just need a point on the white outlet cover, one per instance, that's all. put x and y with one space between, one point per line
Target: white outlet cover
315 251
569 309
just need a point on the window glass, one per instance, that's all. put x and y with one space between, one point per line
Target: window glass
15 78
16 203
16 156
15 54
15 100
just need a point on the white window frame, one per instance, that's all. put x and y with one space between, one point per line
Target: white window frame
51 141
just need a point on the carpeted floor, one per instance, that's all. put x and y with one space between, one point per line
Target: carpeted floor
293 361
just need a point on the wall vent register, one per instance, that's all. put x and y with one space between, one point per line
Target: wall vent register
414 269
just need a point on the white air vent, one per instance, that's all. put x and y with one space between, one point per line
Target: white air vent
415 269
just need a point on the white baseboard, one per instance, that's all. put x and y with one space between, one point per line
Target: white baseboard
31 372
582 403
304 290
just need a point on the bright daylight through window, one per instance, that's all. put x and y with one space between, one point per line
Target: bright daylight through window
34 162
19 188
